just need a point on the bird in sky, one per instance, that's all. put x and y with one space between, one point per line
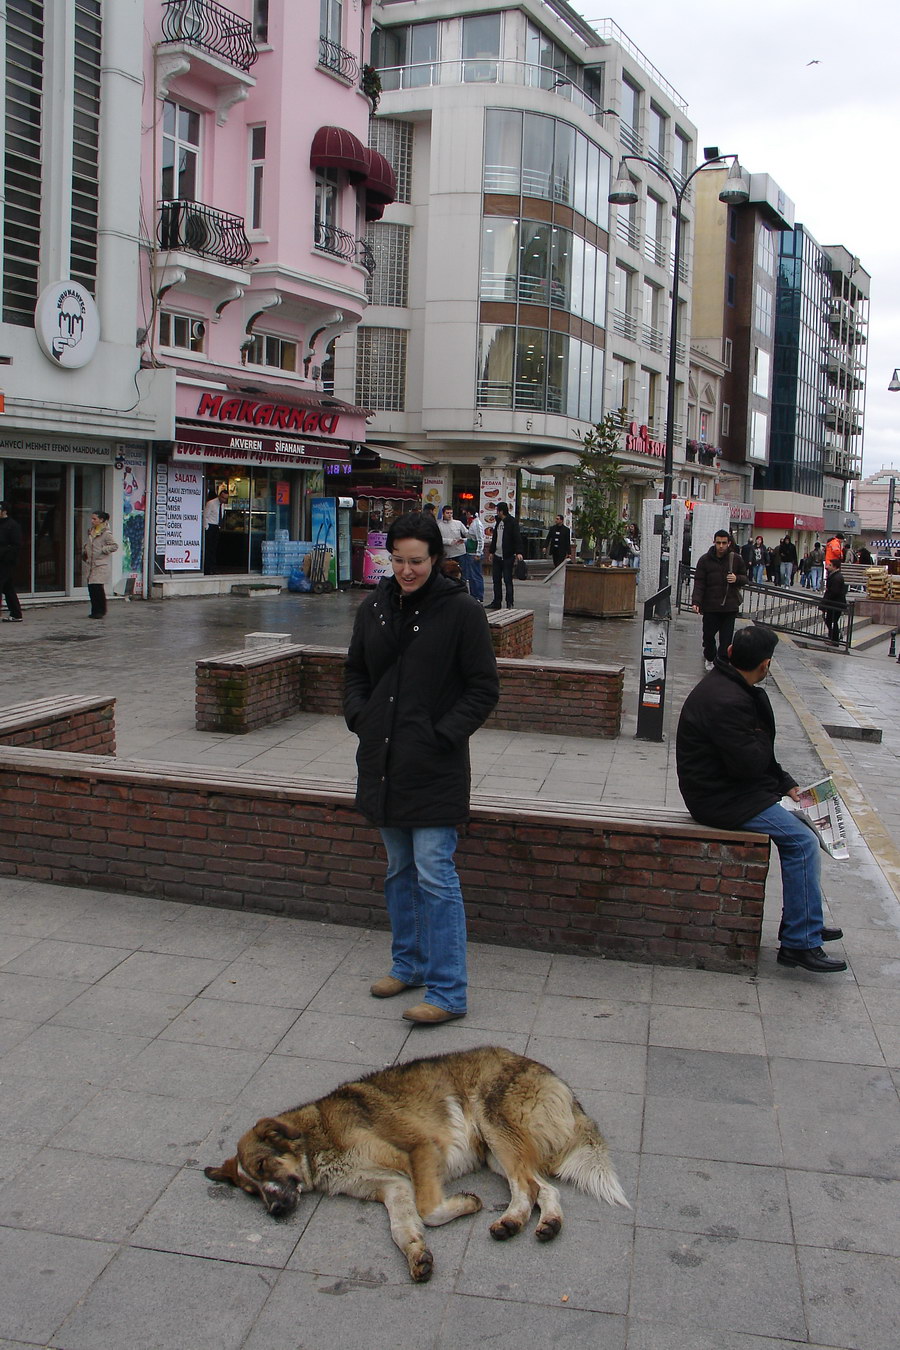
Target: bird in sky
816 62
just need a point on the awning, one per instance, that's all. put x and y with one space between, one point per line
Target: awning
337 148
880 543
393 455
554 459
381 182
387 494
374 210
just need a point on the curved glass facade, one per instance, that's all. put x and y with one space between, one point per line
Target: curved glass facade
538 370
532 262
531 155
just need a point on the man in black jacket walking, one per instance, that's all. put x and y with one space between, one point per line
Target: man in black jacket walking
718 586
729 778
10 543
506 550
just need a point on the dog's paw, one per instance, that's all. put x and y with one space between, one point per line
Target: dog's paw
421 1265
475 1202
547 1229
504 1228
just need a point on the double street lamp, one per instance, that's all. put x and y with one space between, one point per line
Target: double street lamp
624 193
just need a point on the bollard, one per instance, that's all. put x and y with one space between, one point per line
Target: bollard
892 650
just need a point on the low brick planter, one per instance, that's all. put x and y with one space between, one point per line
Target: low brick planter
512 632
244 690
80 725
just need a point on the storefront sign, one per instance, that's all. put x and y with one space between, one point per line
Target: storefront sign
66 324
179 516
222 447
257 413
434 490
20 447
133 464
491 496
638 441
741 513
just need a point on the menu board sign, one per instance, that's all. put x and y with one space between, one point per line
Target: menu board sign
179 516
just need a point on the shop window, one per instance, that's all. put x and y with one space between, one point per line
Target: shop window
181 330
266 350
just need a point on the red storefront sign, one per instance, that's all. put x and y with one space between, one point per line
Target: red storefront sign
257 412
638 440
241 447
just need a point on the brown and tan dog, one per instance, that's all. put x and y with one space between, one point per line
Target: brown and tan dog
399 1134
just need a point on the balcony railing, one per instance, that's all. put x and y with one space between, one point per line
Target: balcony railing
211 28
338 60
342 244
422 74
625 325
627 231
196 228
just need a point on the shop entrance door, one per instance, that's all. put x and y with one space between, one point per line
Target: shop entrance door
37 496
253 514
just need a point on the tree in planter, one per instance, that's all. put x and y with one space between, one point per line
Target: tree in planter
598 485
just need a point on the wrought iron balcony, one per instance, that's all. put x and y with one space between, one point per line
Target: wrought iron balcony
342 244
203 230
211 28
338 60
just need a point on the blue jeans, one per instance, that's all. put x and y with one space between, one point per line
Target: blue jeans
759 573
787 572
801 892
428 920
473 575
815 578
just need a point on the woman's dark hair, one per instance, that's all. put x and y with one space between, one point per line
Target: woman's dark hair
752 645
417 525
102 515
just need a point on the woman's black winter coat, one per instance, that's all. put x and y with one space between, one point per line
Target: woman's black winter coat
420 678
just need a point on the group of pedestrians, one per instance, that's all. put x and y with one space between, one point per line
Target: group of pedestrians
95 555
464 542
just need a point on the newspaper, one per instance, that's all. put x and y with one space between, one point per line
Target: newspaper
821 808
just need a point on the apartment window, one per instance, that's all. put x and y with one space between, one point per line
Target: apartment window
683 156
623 385
653 230
703 426
257 165
653 336
730 289
261 20
656 138
389 243
761 363
544 157
630 121
326 208
23 130
765 251
727 352
180 153
726 419
381 369
331 20
181 330
759 435
86 144
732 225
393 139
266 350
406 55
762 310
480 47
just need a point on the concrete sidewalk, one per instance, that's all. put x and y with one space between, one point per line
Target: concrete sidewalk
755 1122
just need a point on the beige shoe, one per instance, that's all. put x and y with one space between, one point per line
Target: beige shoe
426 1014
387 987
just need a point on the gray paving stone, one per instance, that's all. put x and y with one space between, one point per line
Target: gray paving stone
12 945
592 977
875 972
33 1305
846 1213
82 1195
199 1217
140 1125
183 937
32 998
233 1026
730 1284
620 1116
496 967
723 1131
68 960
727 1200
124 1011
472 1321
851 1299
62 1054
595 1065
146 1300
13 1031
728 1031
177 1069
357 1311
342 1038
35 1109
164 974
834 1040
663 1336
248 981
708 1076
704 989
838 1117
424 1041
592 1019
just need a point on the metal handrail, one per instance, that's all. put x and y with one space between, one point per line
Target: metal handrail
211 28
338 60
342 244
487 70
194 227
781 607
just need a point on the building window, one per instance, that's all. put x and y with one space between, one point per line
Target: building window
761 363
381 369
393 139
326 208
726 419
180 153
86 144
762 310
265 350
727 352
765 251
730 289
532 370
732 225
630 120
656 138
683 156
406 55
261 20
388 285
23 132
538 156
759 436
257 165
331 20
703 426
181 330
623 386
480 47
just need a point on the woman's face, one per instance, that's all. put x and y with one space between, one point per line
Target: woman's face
95 521
412 564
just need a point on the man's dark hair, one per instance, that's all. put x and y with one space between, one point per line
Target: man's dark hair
835 563
839 535
752 645
721 534
419 525
502 509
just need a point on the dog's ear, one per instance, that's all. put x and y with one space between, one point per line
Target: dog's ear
230 1172
274 1131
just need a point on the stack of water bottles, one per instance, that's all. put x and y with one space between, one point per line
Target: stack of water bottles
281 554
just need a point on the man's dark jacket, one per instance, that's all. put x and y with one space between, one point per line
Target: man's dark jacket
725 751
558 542
10 543
420 678
835 592
712 593
512 538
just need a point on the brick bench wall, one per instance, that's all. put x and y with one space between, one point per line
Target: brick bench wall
244 690
80 725
512 632
560 877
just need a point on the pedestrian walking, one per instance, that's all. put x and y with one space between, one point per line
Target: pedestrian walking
97 556
213 515
816 567
787 552
718 587
757 562
729 778
834 603
473 571
420 678
10 543
453 534
558 542
506 549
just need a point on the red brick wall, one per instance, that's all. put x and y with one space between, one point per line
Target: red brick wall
86 727
665 893
515 638
234 697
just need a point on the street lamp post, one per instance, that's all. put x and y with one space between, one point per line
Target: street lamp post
658 610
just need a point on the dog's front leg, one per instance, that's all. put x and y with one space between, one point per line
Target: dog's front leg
407 1228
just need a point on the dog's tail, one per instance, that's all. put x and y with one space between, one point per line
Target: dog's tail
587 1166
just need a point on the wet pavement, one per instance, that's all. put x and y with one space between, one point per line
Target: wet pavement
755 1121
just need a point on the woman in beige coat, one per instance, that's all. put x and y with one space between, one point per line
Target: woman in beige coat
98 548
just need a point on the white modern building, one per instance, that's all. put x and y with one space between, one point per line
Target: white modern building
512 306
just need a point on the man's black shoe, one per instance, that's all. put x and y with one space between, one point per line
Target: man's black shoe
494 606
813 960
832 934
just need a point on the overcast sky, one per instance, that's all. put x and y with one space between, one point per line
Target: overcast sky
829 133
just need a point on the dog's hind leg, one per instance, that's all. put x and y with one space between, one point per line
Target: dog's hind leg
453 1207
407 1229
426 1165
551 1211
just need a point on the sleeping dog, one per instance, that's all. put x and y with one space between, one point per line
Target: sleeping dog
399 1134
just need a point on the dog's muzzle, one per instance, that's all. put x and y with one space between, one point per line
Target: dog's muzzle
280 1198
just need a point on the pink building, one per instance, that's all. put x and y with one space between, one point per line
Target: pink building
257 182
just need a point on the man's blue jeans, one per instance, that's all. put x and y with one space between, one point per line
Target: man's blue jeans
787 572
815 578
801 892
428 920
473 575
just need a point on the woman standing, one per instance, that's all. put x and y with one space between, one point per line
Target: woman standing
98 547
421 677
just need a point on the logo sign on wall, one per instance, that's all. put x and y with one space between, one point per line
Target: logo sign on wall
66 324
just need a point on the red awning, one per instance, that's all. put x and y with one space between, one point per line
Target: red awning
380 183
374 210
336 148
